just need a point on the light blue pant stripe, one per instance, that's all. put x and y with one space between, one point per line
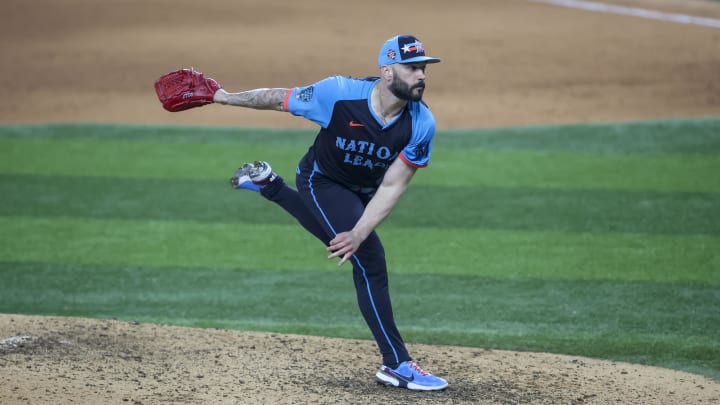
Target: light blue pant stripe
364 273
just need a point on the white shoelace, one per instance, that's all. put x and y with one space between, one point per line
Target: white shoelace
417 368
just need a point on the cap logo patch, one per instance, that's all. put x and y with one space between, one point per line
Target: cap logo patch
415 47
410 47
391 54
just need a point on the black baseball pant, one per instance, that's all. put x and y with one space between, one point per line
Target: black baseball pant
325 208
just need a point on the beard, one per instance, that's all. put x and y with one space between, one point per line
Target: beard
405 92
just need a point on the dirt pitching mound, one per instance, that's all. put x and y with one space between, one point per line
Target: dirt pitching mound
88 361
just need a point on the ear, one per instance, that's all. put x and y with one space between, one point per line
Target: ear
386 72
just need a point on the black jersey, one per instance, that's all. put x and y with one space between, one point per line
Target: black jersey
353 146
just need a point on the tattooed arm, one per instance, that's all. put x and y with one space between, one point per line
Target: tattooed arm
260 99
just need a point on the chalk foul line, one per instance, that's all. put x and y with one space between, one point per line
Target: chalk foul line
633 11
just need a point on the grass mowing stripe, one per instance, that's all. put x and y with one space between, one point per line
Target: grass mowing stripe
563 170
214 295
503 254
648 322
554 255
594 211
158 243
124 198
162 133
117 158
683 136
422 206
691 136
114 158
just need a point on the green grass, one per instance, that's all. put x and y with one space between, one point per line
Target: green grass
599 240
512 254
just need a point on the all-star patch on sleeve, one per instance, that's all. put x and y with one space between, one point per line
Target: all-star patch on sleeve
316 101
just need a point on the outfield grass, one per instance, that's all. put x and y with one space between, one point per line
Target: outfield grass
596 240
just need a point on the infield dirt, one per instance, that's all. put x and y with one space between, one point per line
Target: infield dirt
505 63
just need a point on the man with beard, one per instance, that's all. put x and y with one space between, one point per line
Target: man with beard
374 134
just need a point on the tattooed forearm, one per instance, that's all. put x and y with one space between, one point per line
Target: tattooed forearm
261 99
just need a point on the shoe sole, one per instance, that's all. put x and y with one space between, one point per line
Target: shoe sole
390 381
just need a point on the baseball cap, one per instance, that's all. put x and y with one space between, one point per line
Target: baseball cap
403 49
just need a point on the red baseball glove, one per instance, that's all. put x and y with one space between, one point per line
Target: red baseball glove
184 89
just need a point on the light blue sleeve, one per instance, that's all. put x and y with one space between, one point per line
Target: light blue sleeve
418 150
316 101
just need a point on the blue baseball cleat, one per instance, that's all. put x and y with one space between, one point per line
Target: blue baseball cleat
409 375
252 176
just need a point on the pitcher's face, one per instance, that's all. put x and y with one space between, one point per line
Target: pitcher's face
408 81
